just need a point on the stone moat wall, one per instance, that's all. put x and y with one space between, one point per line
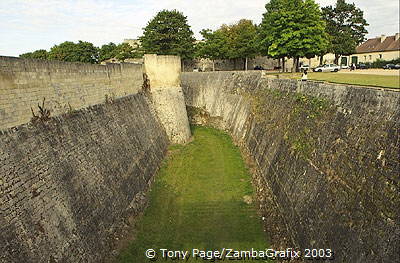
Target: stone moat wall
325 156
70 184
71 181
24 83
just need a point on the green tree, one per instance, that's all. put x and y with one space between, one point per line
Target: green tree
168 33
236 41
80 52
242 40
293 28
124 51
214 46
345 27
107 51
38 54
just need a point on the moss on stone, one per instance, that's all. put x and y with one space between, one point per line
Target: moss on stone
289 111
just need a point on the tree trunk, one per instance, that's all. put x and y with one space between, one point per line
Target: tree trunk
183 65
283 64
337 59
213 62
321 59
294 64
245 67
297 64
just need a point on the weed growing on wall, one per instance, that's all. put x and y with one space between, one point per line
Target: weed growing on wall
43 113
109 98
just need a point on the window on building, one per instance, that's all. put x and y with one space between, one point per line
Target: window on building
370 57
365 58
380 56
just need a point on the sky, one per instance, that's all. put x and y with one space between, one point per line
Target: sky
28 25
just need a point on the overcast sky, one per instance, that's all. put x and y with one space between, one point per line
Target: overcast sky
28 25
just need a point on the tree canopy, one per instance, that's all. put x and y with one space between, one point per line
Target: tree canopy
292 28
345 27
38 54
214 45
74 52
107 51
242 38
86 52
236 41
168 33
124 51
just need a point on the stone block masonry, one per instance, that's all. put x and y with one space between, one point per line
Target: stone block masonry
326 158
65 86
68 185
163 73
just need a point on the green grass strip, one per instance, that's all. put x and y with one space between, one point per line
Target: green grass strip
197 201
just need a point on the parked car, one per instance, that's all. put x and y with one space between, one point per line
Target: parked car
389 66
344 67
258 68
361 66
397 66
304 67
327 68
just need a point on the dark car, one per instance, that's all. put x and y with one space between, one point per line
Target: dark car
361 66
258 68
389 66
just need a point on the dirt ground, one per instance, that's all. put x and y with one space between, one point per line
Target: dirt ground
385 72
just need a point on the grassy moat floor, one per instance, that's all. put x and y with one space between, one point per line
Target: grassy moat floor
198 202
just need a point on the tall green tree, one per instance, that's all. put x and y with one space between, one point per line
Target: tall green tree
168 33
75 52
236 41
38 54
214 45
242 40
346 27
107 51
294 29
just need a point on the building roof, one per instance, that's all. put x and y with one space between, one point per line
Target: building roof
380 44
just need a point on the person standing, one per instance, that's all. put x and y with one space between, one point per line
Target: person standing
304 76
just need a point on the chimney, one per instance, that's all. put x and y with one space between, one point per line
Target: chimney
383 37
397 37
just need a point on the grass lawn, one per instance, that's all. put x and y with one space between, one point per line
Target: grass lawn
353 79
197 201
358 79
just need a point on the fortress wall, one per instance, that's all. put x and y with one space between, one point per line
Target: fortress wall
163 73
69 185
325 156
65 86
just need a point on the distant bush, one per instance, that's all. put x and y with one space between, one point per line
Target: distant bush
380 63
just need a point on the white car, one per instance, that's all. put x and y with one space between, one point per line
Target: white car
327 68
304 67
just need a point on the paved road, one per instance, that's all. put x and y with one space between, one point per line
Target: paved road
384 72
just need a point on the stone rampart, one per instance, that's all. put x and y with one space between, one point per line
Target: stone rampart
163 73
69 185
325 157
24 83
